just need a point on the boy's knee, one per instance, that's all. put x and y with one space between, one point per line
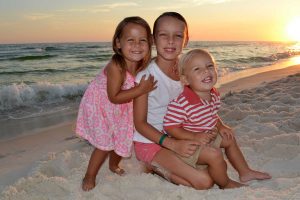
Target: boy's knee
216 153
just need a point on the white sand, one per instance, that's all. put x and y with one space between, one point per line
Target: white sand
266 120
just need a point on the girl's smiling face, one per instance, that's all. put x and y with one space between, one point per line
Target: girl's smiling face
133 43
170 37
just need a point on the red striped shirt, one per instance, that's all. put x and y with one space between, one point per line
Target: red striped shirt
191 112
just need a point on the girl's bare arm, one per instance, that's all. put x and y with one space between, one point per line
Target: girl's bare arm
115 79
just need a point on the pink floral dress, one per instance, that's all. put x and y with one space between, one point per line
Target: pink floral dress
105 125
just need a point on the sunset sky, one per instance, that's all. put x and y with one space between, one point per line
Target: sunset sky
30 21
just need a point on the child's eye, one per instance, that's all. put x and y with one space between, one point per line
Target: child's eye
144 40
210 66
162 35
196 68
130 40
179 36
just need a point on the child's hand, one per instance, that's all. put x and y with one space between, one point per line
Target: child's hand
206 137
203 138
226 131
185 148
213 134
147 85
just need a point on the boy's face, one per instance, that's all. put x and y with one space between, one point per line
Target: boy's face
200 73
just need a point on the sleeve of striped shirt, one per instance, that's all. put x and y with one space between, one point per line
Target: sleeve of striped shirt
175 115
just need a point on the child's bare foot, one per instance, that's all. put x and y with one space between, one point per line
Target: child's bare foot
117 170
88 183
254 175
233 184
148 171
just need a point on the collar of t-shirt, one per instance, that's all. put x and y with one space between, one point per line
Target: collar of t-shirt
192 97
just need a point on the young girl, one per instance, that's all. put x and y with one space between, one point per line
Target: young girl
105 116
194 112
170 34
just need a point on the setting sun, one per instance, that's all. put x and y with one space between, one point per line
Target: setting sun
293 29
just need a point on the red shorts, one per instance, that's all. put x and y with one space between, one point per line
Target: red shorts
145 152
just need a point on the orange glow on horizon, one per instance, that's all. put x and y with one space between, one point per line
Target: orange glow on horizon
93 21
293 29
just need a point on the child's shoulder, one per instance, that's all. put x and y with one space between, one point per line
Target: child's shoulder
147 71
113 65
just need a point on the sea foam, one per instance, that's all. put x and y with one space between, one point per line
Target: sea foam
19 95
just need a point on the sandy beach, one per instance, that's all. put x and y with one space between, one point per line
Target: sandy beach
263 109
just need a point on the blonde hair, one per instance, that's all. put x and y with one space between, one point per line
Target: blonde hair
185 58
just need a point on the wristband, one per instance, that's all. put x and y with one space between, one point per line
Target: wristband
162 138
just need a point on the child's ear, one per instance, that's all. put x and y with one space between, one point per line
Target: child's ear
183 80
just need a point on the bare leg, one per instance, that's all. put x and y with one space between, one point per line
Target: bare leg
148 169
97 159
174 169
114 160
157 169
217 167
237 160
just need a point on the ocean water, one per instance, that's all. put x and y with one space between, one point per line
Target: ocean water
40 78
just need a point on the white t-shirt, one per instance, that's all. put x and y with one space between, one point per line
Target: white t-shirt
158 99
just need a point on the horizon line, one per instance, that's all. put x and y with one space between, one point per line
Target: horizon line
281 41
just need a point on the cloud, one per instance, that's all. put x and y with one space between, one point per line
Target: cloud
91 9
171 7
102 7
205 2
177 4
38 16
116 5
109 7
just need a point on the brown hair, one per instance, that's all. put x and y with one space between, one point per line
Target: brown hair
118 56
170 14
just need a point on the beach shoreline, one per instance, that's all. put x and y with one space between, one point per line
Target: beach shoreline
19 156
258 79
